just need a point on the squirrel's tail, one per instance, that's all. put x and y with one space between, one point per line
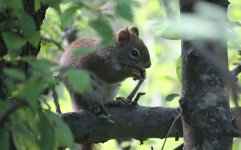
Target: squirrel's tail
86 147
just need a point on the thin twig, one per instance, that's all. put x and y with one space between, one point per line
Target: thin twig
236 70
56 101
15 105
180 147
236 24
138 97
58 44
173 123
133 92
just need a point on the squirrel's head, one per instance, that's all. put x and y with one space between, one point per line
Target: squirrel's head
131 52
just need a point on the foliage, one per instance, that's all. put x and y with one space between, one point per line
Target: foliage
34 124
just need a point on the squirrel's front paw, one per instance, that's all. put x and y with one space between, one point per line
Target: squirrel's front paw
119 102
138 74
97 108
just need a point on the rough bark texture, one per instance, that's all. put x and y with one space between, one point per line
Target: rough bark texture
204 105
136 122
27 50
133 122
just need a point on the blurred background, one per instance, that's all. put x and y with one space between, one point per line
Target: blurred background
156 20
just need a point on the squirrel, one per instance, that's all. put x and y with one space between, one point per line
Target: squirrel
127 56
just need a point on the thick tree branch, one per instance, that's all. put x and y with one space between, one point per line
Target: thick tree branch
136 122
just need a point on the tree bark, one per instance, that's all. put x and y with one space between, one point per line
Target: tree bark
204 105
27 50
136 122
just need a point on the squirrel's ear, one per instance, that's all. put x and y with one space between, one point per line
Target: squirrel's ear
123 34
135 31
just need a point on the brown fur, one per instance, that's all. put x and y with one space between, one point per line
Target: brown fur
107 67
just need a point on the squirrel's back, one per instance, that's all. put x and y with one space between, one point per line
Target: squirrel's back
68 58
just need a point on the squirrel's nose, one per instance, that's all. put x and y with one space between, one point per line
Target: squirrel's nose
148 65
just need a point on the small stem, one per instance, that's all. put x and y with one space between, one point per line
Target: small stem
133 92
56 101
173 123
11 109
138 97
236 70
58 44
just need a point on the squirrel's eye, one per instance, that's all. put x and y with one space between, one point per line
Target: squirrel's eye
135 53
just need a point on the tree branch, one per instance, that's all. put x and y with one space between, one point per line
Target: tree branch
136 122
15 105
58 44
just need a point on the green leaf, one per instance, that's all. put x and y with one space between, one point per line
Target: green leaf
13 41
4 105
83 51
63 134
172 33
14 4
103 29
14 73
79 80
23 138
47 135
67 16
4 136
31 90
37 5
52 3
28 25
170 97
179 69
41 65
124 9
35 39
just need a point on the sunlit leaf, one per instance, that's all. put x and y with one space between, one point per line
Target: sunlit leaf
37 5
63 134
170 97
179 69
103 29
47 135
83 51
234 13
23 138
186 28
124 9
171 33
79 80
67 16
